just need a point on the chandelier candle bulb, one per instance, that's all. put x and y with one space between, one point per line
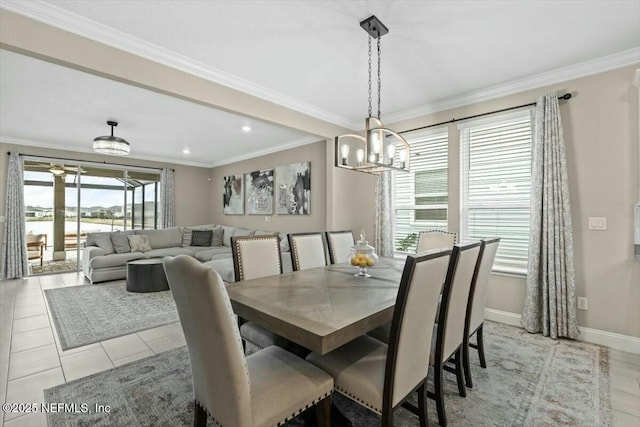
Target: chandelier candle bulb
391 152
360 156
344 150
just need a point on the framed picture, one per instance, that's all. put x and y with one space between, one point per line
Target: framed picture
259 193
293 189
233 195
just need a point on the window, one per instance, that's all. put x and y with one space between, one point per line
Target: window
495 185
421 196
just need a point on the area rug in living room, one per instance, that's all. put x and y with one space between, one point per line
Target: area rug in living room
91 313
529 381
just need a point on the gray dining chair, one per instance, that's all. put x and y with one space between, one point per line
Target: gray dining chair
340 244
475 319
267 388
382 377
255 257
449 331
307 250
435 239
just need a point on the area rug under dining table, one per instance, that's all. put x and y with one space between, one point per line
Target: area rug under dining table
92 313
529 381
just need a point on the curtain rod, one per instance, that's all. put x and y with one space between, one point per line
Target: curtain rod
564 97
88 161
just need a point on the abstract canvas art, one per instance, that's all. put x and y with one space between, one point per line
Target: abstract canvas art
260 192
232 195
293 189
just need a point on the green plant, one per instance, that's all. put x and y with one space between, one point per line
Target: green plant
407 243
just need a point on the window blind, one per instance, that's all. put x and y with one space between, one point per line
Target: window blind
495 169
421 196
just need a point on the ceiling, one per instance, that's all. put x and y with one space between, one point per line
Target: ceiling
309 56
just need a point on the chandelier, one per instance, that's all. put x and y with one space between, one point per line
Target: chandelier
110 144
381 149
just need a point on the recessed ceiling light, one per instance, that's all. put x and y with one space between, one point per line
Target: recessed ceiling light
186 151
246 128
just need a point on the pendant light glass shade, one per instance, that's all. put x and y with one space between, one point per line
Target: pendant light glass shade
110 144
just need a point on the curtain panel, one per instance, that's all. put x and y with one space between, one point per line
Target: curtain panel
167 198
550 299
15 260
384 227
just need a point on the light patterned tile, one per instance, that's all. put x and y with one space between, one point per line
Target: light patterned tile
36 419
162 344
122 347
31 323
30 388
622 419
85 363
155 333
28 311
133 357
626 384
31 339
625 402
31 361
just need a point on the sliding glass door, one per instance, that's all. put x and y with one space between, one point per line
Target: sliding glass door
66 201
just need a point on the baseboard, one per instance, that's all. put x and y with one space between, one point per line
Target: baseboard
595 336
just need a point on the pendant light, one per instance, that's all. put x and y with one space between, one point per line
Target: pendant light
110 144
381 149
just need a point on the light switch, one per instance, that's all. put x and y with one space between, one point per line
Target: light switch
1 219
597 223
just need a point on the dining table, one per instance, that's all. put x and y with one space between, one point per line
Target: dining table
321 308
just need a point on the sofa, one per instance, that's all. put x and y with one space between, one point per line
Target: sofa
104 258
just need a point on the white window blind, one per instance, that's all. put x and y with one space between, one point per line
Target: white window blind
495 180
421 196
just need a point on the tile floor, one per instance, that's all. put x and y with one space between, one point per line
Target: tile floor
31 359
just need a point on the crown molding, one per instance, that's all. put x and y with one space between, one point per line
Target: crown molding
84 27
39 144
270 150
547 78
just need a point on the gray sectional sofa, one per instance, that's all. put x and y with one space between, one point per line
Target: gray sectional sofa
102 262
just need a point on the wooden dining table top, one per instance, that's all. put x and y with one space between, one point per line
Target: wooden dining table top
321 308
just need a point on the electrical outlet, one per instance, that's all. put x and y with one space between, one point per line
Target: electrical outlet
597 223
267 219
582 303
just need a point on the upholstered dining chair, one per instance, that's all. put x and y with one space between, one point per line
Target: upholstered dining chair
379 376
475 318
36 244
255 257
449 331
267 388
435 239
339 243
307 250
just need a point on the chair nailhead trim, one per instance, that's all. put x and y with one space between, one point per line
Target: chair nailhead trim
299 411
357 399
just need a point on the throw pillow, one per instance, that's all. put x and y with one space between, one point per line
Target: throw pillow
120 243
139 243
103 241
217 235
201 237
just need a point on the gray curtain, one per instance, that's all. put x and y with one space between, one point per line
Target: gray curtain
15 261
550 300
167 198
384 226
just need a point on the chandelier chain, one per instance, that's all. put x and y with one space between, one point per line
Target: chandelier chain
379 78
370 111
